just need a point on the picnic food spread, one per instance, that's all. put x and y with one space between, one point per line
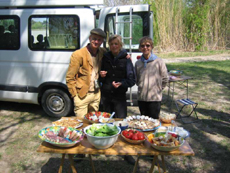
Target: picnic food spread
64 133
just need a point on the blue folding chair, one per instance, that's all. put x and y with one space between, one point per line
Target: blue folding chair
181 104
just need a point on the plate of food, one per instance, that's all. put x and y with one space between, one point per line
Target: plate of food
165 141
175 72
93 117
143 123
68 122
61 136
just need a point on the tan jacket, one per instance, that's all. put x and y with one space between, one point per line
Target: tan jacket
79 72
151 80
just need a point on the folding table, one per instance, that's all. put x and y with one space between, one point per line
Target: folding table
121 147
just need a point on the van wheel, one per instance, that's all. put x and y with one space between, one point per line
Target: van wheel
56 103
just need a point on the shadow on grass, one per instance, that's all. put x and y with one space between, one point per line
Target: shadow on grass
19 113
201 71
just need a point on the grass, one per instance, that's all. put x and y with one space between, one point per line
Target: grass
192 54
210 86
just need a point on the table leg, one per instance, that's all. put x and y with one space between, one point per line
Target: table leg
61 165
136 163
153 163
91 161
72 163
163 163
158 166
172 99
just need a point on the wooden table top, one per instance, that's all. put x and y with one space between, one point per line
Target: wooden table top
121 147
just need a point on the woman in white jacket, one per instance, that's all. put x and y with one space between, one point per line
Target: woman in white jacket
152 77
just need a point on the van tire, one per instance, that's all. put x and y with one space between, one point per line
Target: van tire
56 103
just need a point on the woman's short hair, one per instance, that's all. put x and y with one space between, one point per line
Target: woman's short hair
144 40
118 37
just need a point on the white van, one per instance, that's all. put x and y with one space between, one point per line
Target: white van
37 38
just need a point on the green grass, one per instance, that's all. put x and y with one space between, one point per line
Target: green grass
192 54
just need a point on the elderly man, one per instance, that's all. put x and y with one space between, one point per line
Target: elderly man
83 72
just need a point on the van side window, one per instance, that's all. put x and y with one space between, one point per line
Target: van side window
9 32
54 32
140 21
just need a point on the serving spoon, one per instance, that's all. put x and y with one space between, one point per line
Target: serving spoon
113 113
105 120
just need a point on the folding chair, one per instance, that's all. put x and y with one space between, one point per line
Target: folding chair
183 103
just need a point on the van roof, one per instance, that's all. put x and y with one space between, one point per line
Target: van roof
50 3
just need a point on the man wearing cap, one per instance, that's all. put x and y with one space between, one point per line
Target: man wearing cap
83 72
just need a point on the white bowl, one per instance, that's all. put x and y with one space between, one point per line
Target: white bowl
102 142
122 124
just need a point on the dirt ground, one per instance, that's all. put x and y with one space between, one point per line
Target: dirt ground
20 124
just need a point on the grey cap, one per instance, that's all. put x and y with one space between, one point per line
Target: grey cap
99 32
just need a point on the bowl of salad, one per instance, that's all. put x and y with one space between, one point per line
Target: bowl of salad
102 136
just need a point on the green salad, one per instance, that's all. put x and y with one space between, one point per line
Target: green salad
102 130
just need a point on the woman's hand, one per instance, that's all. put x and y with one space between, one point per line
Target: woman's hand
103 73
116 84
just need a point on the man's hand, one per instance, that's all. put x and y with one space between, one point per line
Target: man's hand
103 73
116 84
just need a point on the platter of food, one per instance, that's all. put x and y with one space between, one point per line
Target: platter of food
164 141
68 122
93 117
143 123
61 136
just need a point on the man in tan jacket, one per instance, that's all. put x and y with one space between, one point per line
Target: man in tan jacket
83 72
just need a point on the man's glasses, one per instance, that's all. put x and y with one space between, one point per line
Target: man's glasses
147 45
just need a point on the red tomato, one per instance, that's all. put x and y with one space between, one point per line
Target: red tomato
135 137
124 132
130 130
129 135
140 136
